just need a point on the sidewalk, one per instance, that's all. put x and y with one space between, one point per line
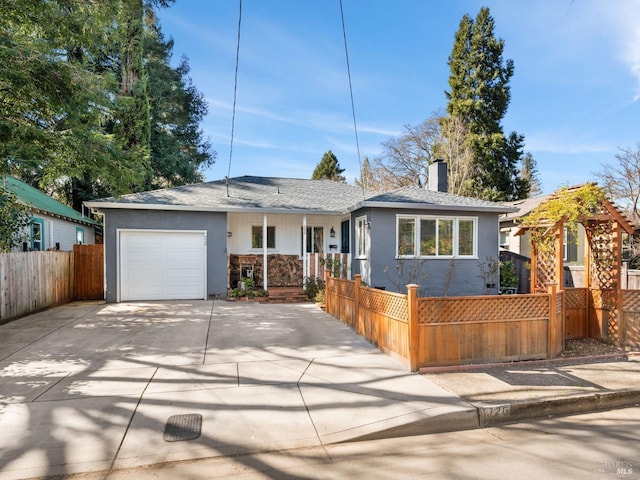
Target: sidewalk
506 393
93 387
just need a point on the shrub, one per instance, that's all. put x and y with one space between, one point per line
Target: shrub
313 286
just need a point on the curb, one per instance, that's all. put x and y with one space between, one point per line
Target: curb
527 363
502 413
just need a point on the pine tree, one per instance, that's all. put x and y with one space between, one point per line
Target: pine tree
178 150
328 168
479 96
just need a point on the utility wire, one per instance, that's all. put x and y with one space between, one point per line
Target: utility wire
235 94
353 108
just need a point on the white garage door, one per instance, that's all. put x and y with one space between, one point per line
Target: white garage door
162 265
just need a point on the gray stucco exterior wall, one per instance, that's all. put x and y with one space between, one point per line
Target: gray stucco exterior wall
215 225
436 277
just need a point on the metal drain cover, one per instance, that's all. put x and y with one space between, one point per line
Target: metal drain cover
183 427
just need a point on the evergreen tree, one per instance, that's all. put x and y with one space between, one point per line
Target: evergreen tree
133 128
479 96
529 173
178 150
14 219
328 168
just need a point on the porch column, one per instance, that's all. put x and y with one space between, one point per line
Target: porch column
264 252
305 272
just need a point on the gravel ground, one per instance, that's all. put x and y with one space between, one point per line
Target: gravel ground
589 347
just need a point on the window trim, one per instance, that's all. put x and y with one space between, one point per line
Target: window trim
361 234
40 222
80 230
417 222
269 227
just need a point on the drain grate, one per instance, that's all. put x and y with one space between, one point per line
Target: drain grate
183 427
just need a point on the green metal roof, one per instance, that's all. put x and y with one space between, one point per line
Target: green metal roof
39 200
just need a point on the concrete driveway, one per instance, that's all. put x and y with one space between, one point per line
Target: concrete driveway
93 387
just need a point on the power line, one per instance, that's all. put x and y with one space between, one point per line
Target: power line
235 93
353 108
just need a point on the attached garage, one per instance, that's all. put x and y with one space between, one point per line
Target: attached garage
162 265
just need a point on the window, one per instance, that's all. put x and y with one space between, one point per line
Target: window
80 235
362 234
256 237
423 236
504 238
344 236
37 234
570 247
315 240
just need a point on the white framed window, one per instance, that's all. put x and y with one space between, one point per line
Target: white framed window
256 236
362 237
504 238
80 235
436 236
37 234
315 240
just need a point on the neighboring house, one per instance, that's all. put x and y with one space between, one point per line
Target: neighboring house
197 241
53 224
521 244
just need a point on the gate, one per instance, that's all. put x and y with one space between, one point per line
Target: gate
88 270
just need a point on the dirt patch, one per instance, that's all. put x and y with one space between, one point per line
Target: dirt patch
590 347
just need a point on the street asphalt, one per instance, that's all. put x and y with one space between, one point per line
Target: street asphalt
91 387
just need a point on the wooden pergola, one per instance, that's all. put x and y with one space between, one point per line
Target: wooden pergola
603 227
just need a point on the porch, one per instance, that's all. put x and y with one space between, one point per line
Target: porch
286 271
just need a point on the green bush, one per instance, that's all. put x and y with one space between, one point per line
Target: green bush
313 286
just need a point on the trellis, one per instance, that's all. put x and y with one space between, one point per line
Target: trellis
604 226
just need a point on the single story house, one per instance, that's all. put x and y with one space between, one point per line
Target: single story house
521 244
54 225
197 241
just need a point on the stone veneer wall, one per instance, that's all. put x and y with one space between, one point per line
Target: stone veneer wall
283 270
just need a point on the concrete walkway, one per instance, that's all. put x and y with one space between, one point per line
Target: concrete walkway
92 387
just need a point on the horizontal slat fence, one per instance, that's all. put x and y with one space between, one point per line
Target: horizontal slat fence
32 281
425 332
379 316
460 330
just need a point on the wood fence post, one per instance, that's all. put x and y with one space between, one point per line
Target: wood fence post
553 320
356 304
327 295
412 319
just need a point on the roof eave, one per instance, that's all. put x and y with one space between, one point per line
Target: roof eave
99 206
431 206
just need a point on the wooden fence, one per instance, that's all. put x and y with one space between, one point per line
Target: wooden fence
88 266
424 332
33 281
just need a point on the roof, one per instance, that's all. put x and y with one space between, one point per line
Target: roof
523 207
40 201
413 197
611 211
287 195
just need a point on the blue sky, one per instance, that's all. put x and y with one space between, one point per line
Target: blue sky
575 94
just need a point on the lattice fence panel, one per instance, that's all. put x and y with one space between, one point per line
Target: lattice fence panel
603 270
576 297
344 288
545 265
387 303
488 308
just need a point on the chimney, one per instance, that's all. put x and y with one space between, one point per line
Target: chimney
437 181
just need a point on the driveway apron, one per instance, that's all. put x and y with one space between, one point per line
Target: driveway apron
91 387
